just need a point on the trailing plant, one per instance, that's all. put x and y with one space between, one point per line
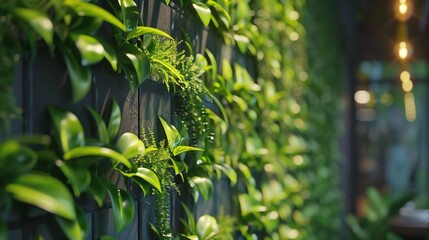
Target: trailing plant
182 73
162 158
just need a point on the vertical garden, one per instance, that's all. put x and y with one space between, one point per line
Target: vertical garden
156 119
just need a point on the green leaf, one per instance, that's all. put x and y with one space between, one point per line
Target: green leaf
203 12
213 64
97 151
145 174
15 159
114 120
130 145
78 176
173 136
207 227
167 2
181 149
122 204
88 9
204 186
179 167
227 71
140 30
139 62
101 126
109 53
40 23
80 76
44 192
97 190
68 127
91 50
130 13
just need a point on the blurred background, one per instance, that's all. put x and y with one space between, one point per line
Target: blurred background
386 44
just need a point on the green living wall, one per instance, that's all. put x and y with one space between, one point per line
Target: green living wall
254 121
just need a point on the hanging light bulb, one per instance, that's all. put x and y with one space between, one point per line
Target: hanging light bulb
404 50
403 10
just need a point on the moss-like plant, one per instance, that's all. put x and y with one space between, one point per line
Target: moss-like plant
182 74
161 158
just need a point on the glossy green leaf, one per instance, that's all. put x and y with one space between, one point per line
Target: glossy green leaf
207 227
179 167
181 149
45 192
91 50
68 127
204 186
145 174
130 145
222 12
89 9
109 53
40 23
79 177
97 151
130 13
80 76
139 62
173 136
167 2
203 12
15 159
101 126
114 120
140 30
97 190
144 185
122 204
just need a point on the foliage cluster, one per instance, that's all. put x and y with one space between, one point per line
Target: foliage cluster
271 132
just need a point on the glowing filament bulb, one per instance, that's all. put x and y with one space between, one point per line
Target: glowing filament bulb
403 50
403 8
